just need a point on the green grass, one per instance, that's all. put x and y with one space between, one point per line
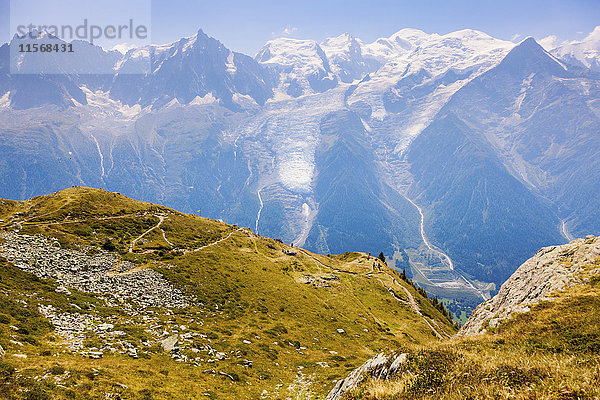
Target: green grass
247 290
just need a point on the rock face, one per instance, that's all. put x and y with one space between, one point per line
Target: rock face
551 269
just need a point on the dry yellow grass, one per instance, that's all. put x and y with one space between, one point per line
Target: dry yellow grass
551 352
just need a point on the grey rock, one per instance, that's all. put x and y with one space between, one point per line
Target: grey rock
95 354
550 269
103 273
169 343
380 367
62 289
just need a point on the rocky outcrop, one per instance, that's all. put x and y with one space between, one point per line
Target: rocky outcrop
550 269
379 367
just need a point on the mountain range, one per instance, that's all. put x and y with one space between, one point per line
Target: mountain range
457 155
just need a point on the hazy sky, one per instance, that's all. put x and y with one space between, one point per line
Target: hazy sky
246 25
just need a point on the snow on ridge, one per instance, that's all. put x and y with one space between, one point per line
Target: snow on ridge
296 61
462 51
122 48
5 100
337 45
100 103
208 98
585 52
413 36
297 53
139 52
190 41
230 64
244 100
398 44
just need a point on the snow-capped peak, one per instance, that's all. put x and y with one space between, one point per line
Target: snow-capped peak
302 65
292 52
584 53
411 35
346 59
338 44
397 45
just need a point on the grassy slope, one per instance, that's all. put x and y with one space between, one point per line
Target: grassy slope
247 288
551 352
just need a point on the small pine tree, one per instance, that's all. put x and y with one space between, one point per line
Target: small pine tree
382 257
108 245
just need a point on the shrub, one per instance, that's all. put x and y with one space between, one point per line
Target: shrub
146 394
6 369
276 331
37 393
108 245
57 370
516 377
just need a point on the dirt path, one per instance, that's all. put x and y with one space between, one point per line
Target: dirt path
212 244
341 271
394 294
417 309
165 238
157 226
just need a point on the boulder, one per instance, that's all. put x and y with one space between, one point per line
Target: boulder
169 343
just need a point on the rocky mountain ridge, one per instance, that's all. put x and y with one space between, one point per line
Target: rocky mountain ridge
517 342
550 270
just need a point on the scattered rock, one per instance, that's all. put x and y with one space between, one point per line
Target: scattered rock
99 274
379 367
